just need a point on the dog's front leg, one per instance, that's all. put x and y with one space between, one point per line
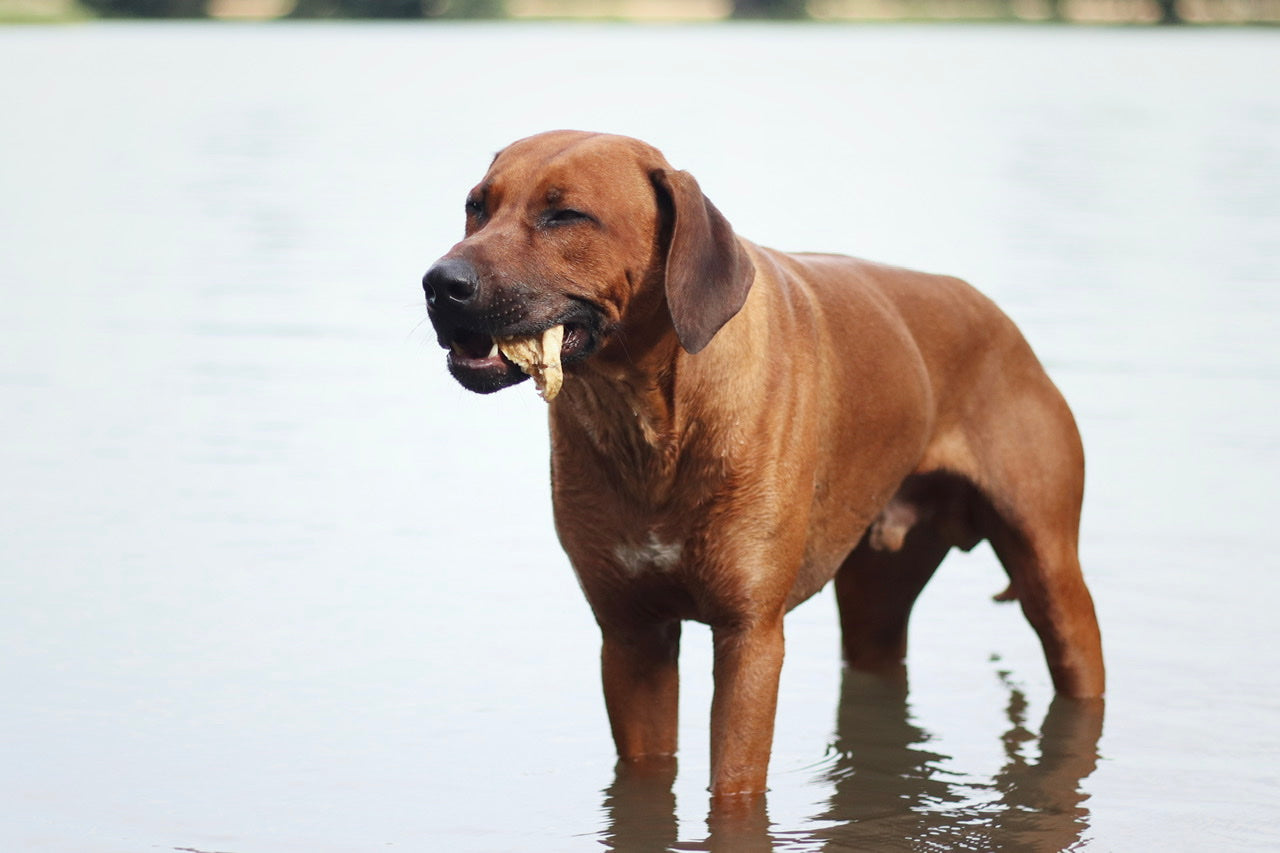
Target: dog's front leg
640 668
748 661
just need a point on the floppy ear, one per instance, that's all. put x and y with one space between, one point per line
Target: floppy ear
708 271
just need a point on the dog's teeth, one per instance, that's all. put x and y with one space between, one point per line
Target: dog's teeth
493 350
457 348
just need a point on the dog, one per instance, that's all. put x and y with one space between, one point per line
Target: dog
739 426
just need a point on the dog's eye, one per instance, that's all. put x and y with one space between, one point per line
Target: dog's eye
475 207
566 216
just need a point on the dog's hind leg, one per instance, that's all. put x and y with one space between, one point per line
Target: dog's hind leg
1031 466
876 588
1045 578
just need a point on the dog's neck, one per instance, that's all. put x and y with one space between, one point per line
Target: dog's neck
622 401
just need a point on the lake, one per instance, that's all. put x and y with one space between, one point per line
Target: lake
273 582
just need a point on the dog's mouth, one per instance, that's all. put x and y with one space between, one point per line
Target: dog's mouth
477 361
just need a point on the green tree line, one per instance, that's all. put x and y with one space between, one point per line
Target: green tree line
406 9
309 8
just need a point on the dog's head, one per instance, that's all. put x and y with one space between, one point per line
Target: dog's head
591 232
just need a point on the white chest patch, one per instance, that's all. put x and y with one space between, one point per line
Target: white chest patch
652 555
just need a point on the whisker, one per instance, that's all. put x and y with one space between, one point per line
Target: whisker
416 327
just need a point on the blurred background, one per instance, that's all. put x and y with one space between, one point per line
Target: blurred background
271 581
1070 11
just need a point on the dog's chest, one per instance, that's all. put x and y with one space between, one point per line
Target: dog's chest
650 554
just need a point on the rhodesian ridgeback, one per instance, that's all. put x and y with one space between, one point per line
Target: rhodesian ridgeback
738 426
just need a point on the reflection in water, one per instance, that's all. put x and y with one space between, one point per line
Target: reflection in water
737 824
892 793
641 809
641 806
889 792
887 787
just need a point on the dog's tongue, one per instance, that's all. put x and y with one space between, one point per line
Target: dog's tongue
539 357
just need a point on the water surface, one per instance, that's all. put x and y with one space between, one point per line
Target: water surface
272 582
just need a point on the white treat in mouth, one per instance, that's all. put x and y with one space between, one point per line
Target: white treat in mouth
539 357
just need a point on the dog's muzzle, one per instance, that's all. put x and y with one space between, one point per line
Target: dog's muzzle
469 311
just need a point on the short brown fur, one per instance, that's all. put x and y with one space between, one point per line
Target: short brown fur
750 425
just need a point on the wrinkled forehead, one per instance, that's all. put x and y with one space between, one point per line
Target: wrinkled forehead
567 166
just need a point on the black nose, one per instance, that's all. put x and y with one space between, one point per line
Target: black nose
451 279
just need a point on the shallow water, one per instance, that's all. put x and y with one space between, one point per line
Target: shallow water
272 582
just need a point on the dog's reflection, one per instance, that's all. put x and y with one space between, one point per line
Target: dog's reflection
641 808
889 790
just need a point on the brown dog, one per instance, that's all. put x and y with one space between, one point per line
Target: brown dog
738 426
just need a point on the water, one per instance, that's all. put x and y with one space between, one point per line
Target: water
272 582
